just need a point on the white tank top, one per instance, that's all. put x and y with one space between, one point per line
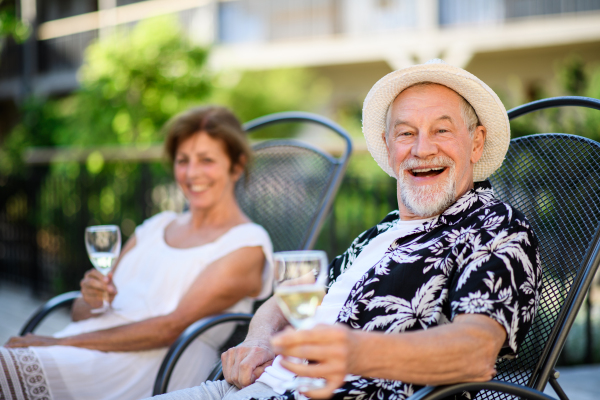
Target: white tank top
152 277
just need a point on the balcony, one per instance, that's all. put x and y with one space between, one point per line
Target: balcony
276 33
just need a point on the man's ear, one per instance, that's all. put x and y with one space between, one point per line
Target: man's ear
478 143
387 147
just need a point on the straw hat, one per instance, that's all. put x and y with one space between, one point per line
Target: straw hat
487 105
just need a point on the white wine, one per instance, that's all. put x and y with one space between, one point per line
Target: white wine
299 302
103 261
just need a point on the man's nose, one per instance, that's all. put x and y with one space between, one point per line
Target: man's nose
424 146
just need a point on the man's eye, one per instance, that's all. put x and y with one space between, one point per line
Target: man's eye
442 130
180 161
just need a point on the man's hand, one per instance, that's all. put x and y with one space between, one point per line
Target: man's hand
31 340
94 286
329 348
243 364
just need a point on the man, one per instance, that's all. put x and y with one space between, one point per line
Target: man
434 293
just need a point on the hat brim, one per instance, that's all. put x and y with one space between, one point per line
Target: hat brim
485 102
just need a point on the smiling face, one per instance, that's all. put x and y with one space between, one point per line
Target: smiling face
430 150
204 172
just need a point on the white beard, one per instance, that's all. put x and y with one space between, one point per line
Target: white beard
430 200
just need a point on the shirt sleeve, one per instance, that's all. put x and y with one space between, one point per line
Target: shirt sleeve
500 277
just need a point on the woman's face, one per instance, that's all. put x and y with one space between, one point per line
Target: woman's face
203 171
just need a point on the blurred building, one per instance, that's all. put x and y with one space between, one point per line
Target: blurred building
352 42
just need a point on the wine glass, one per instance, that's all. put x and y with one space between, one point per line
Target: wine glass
300 278
103 245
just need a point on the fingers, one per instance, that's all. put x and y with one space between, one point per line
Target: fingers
326 392
31 340
246 369
95 286
328 347
240 363
11 342
258 371
231 370
321 335
333 373
93 280
18 341
328 370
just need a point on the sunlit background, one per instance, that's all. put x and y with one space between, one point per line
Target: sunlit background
86 85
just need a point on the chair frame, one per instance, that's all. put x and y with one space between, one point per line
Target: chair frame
544 371
342 162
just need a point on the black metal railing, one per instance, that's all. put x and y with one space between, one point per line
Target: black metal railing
43 216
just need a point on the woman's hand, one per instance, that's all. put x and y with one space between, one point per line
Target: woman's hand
329 348
95 286
32 340
243 364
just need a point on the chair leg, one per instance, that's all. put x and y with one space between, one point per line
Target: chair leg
559 390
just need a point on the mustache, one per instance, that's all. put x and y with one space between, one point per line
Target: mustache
438 161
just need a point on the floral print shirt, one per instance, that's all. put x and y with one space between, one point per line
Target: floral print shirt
480 256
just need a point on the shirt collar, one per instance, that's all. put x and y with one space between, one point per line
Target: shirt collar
481 195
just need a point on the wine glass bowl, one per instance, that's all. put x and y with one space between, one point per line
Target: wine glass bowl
299 288
103 245
300 278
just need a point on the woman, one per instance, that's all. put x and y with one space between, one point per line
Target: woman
173 271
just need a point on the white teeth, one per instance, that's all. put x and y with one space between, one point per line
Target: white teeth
198 188
416 171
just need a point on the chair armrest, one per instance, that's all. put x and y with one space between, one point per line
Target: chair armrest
60 301
184 340
441 392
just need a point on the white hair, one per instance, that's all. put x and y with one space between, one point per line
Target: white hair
429 200
467 111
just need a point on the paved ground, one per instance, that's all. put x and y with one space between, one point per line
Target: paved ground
579 383
17 304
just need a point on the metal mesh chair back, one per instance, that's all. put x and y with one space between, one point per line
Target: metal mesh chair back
554 179
286 187
291 185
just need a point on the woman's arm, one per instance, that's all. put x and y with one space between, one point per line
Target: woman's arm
221 285
93 287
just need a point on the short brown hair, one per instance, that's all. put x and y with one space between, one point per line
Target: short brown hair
219 123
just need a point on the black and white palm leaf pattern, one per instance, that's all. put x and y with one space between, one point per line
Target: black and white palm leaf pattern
478 257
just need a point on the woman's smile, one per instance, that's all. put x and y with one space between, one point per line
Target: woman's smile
198 188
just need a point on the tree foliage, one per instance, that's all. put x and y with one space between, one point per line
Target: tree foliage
11 25
573 77
132 82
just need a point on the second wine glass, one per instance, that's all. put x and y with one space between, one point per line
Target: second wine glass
300 279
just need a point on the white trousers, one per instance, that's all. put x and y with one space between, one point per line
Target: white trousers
219 390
